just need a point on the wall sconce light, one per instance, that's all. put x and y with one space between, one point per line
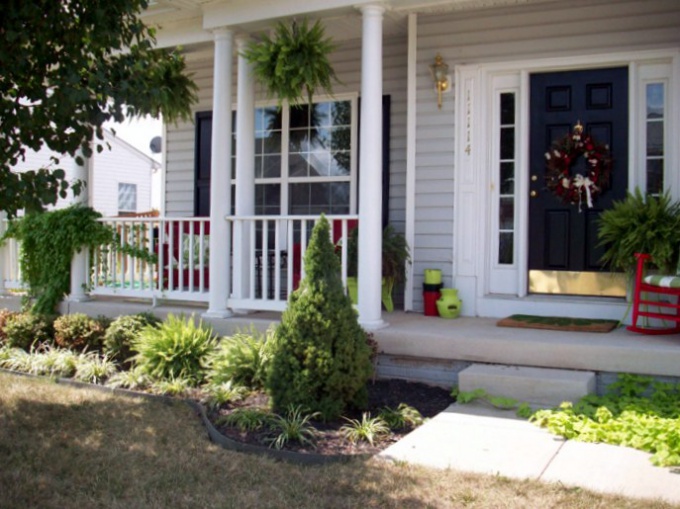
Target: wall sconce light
440 76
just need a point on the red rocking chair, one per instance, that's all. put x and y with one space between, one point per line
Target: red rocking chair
661 286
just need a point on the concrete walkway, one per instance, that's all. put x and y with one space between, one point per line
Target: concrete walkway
481 440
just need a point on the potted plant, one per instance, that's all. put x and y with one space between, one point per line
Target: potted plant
395 256
640 224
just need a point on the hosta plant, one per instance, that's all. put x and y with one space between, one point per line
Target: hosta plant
175 349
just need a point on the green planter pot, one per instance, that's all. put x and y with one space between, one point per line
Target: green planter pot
433 276
353 292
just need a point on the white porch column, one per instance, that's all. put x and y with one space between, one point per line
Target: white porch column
220 178
245 168
79 263
370 164
4 262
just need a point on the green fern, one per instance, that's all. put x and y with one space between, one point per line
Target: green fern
640 224
293 62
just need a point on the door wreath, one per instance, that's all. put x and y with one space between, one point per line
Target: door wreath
563 154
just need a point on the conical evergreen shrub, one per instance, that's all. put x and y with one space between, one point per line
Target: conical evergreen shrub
321 360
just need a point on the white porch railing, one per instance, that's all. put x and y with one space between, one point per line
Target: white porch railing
268 259
271 251
180 269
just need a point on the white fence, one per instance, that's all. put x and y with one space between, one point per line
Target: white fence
267 259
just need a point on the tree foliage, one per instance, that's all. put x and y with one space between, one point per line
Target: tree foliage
320 356
67 68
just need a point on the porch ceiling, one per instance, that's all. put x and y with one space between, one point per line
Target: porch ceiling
190 20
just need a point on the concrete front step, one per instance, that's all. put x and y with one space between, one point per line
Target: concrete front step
536 386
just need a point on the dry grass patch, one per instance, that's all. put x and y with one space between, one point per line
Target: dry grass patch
71 448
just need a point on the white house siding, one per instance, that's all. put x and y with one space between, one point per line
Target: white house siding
514 33
346 61
122 164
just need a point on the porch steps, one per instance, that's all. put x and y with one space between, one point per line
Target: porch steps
540 387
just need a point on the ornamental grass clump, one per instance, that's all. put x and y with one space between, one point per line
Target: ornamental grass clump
320 358
242 359
174 350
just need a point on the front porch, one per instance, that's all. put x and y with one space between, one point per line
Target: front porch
435 350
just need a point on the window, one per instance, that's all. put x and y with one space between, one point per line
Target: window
655 123
127 197
506 177
304 158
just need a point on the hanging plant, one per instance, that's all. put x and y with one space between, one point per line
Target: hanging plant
293 62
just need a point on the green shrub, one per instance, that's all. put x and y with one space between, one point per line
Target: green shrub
122 331
23 330
243 359
320 357
5 314
79 332
175 349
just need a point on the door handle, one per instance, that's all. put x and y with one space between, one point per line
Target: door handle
533 194
534 178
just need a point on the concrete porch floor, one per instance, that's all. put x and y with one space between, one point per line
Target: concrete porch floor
434 349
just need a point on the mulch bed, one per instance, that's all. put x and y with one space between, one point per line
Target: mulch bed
558 323
428 400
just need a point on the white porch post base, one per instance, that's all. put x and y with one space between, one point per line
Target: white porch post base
370 162
217 314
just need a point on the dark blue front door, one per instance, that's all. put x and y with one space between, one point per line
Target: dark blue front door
562 238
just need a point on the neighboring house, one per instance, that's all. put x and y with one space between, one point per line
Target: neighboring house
120 180
463 180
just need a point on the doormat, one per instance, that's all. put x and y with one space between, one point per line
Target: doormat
558 323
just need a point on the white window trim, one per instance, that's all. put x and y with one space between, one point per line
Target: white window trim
284 180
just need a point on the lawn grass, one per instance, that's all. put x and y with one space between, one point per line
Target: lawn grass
63 447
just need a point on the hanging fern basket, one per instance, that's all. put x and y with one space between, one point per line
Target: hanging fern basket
292 63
